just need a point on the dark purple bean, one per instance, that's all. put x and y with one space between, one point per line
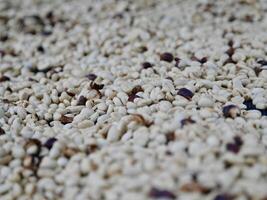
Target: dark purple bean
81 101
185 93
50 142
96 86
230 111
168 57
91 76
160 193
224 197
147 65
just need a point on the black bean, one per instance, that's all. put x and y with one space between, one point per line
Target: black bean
2 132
40 49
185 93
251 106
146 65
224 197
235 146
230 111
203 60
46 33
91 76
50 142
160 193
81 101
4 78
262 62
96 86
168 57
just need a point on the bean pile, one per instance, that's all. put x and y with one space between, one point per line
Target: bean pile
133 100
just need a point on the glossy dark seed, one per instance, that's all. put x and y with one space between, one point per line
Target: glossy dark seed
4 78
96 86
46 33
91 76
40 49
223 197
234 148
203 60
50 142
168 57
81 101
159 193
230 111
262 62
2 132
65 120
185 93
146 65
251 106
